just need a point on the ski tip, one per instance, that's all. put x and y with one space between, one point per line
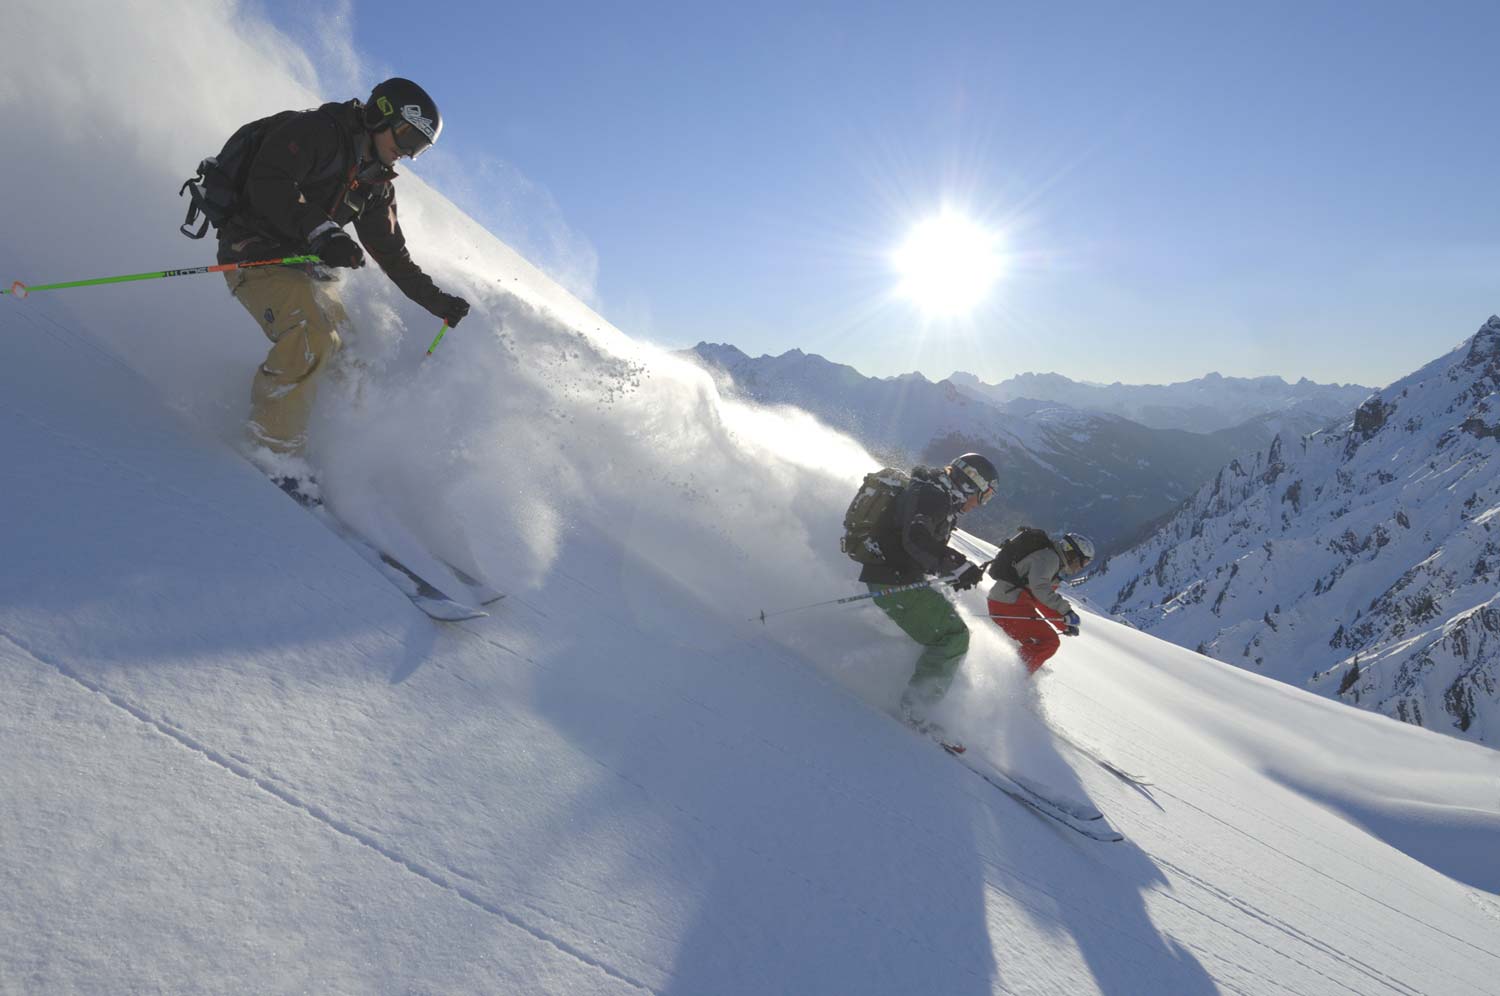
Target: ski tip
447 610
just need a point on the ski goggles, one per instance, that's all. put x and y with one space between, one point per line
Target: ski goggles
1074 553
409 139
977 485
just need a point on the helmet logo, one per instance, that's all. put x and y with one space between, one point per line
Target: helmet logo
386 108
413 114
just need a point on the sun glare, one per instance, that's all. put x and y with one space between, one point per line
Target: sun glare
948 264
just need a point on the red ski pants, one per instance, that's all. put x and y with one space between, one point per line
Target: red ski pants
1029 623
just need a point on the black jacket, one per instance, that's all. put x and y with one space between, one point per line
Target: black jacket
315 167
917 539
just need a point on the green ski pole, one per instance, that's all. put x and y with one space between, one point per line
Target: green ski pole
441 332
18 289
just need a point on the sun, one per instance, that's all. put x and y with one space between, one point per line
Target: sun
948 264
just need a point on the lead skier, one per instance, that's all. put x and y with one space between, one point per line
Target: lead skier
313 173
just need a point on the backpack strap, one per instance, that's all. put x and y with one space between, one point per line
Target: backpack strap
195 204
1026 541
351 154
210 209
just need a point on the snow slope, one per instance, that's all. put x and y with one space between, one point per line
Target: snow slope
236 760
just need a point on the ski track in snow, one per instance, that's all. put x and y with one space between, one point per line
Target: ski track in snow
1195 773
316 812
1290 932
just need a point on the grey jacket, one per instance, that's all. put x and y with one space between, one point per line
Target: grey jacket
1042 572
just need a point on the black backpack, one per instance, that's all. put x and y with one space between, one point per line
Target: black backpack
215 191
870 514
1026 541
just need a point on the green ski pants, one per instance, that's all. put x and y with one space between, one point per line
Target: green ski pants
930 619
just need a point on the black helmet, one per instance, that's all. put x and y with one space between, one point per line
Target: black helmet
405 108
973 475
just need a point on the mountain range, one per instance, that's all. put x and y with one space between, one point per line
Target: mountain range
1093 471
1361 561
1205 404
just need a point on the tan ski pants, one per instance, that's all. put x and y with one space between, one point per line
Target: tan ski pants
301 316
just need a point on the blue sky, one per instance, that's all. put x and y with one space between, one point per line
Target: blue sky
1302 189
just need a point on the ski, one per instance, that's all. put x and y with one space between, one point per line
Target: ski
1102 761
483 591
423 593
1093 825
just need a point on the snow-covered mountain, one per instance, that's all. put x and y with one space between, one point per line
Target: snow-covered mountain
1205 404
1361 562
1061 467
234 759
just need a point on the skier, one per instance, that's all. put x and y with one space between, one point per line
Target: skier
1024 600
314 172
906 539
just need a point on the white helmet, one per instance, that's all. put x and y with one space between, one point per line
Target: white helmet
1078 547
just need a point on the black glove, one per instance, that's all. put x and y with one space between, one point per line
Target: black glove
971 576
449 308
338 249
